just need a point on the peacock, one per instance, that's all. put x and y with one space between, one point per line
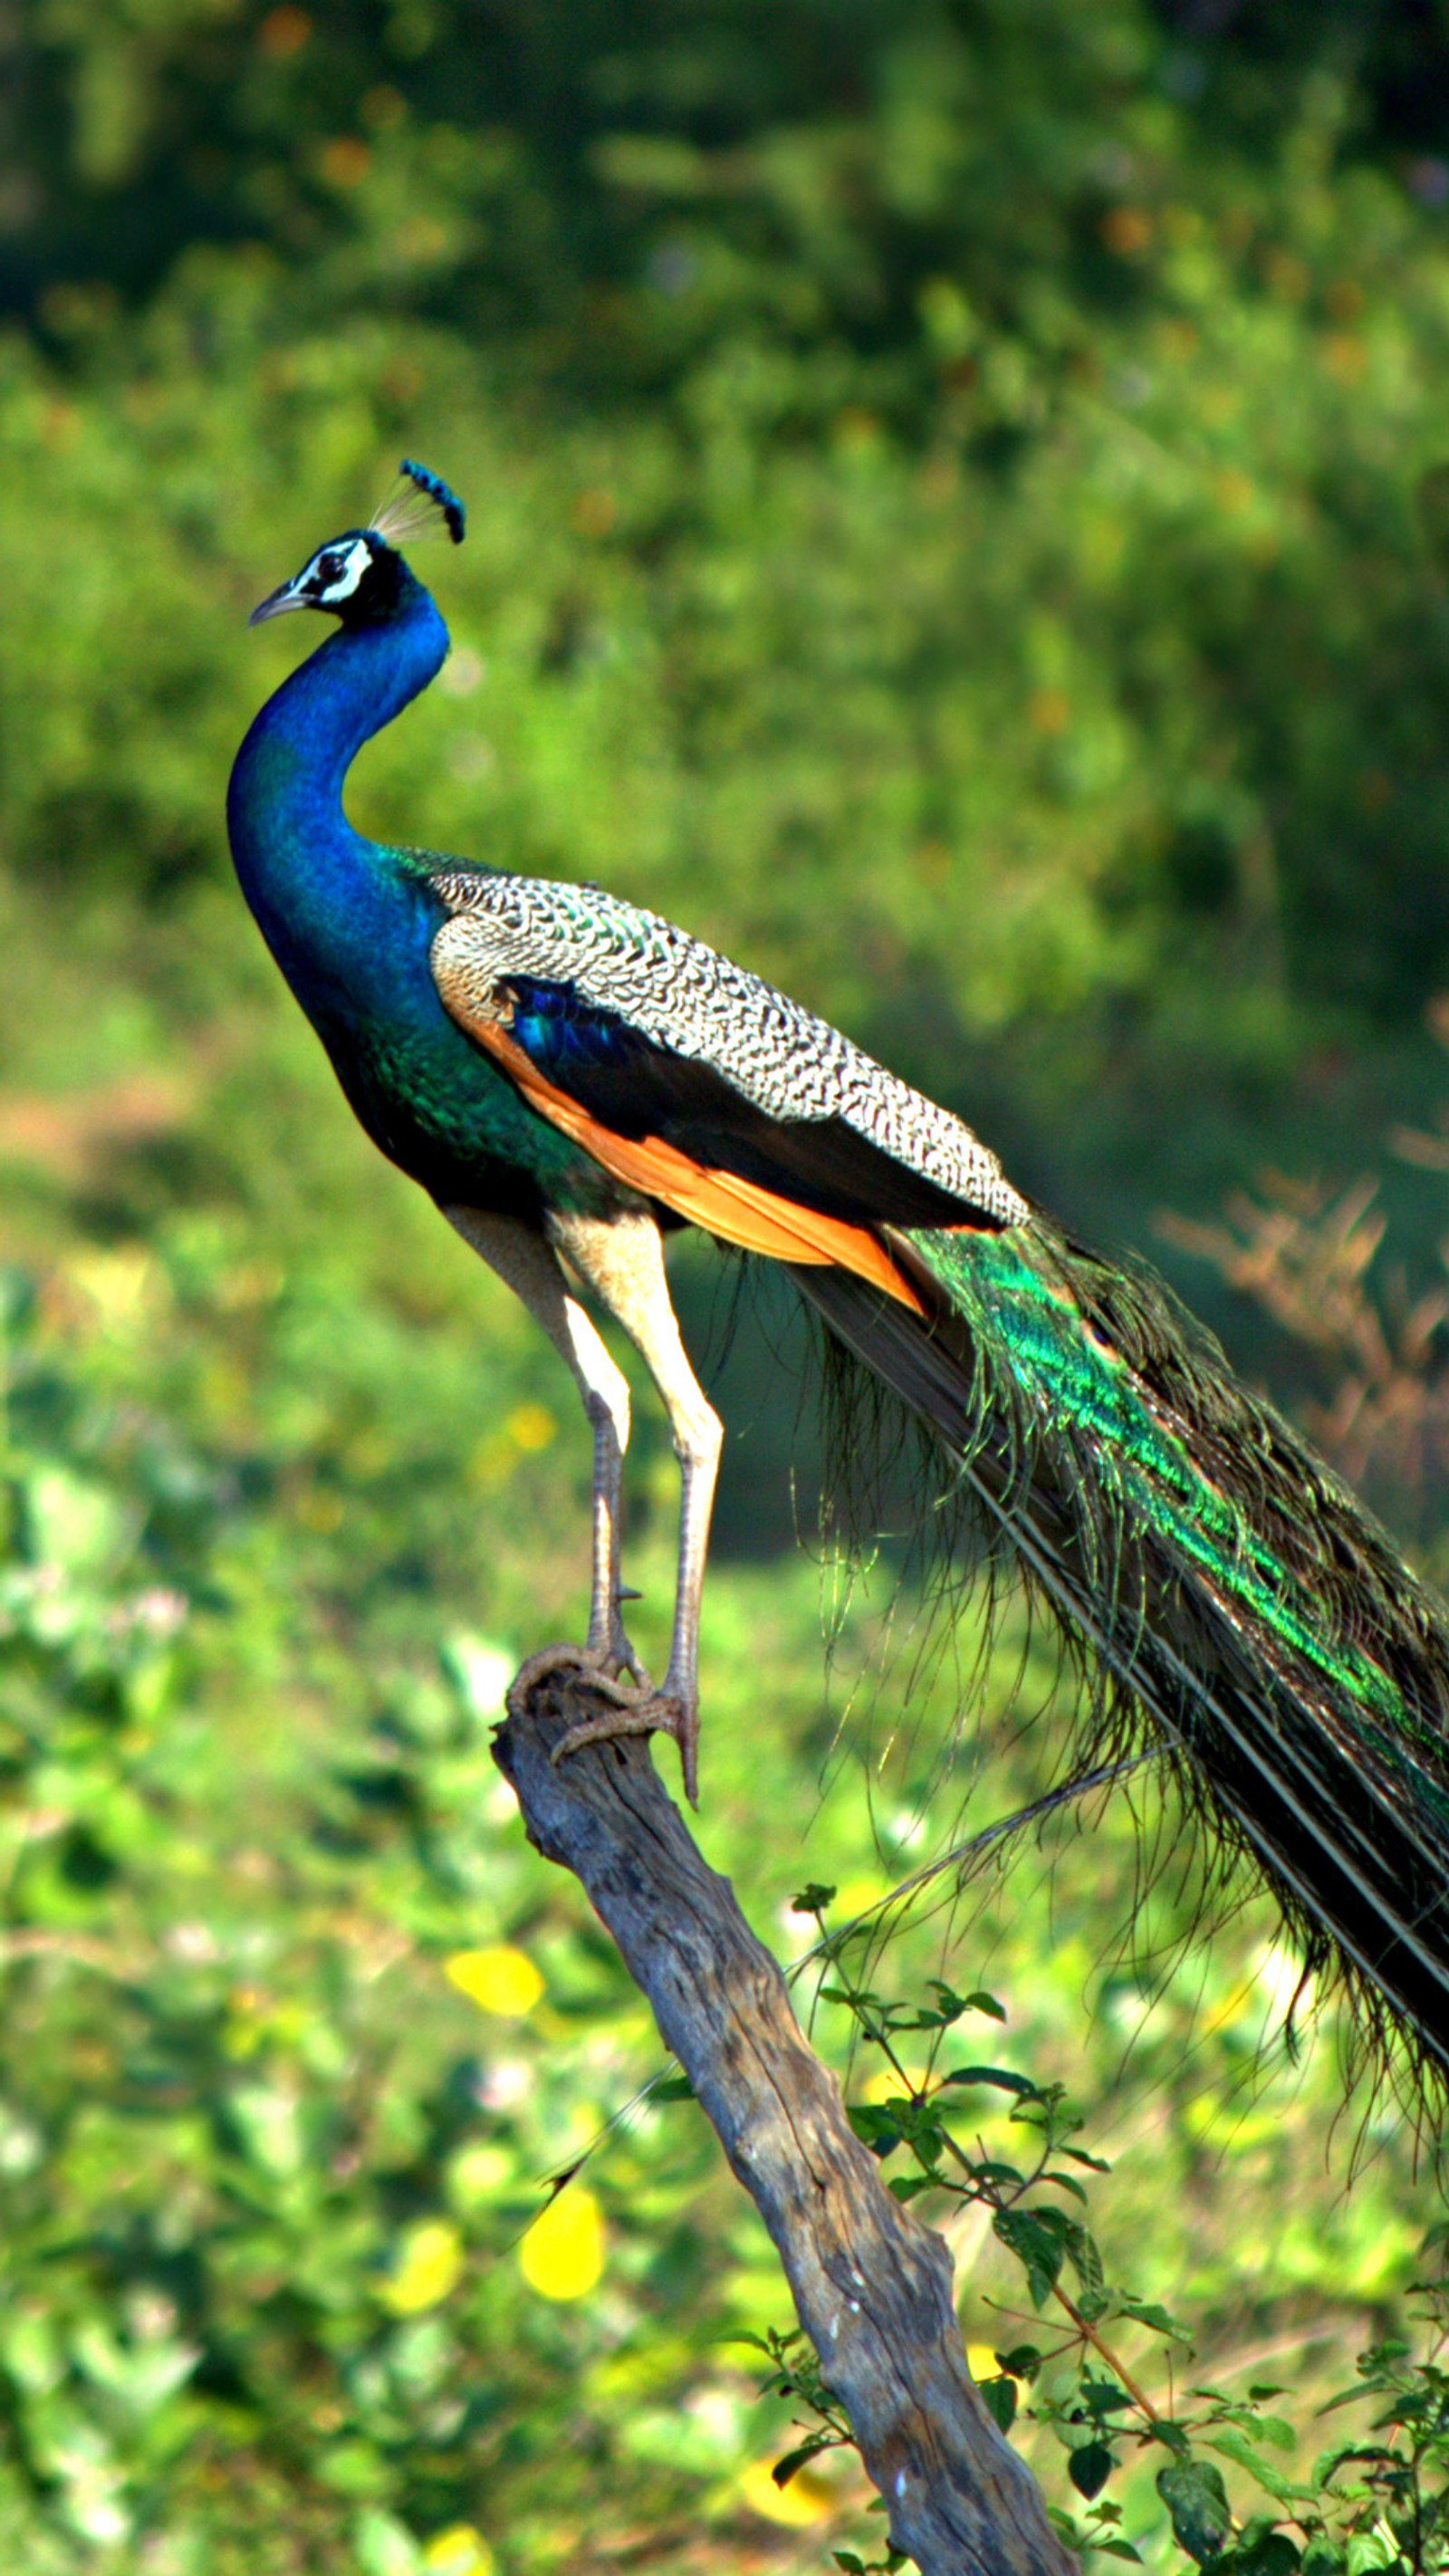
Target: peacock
571 1078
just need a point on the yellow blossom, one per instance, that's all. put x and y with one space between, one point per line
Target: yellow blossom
806 2499
562 2255
498 1979
459 2551
429 2261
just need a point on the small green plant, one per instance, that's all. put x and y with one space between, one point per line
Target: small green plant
1379 2500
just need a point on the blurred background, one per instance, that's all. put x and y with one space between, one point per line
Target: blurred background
958 515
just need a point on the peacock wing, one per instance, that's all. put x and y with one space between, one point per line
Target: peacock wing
696 1083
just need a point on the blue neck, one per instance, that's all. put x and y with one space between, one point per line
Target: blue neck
289 771
317 888
351 924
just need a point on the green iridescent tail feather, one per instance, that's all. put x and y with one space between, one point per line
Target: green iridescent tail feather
1243 1609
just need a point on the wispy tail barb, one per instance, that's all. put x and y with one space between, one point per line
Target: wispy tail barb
1247 1612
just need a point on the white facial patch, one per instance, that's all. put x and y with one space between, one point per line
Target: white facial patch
344 582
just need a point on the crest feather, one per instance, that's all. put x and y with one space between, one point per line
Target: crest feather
419 504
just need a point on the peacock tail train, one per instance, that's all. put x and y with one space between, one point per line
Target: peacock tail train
1256 1624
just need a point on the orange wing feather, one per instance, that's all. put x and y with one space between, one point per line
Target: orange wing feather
735 1211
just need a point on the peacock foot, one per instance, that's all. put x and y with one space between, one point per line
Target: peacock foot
602 1666
639 1708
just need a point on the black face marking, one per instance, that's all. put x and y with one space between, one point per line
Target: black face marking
356 577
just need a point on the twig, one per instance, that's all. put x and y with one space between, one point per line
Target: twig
872 2287
1139 2397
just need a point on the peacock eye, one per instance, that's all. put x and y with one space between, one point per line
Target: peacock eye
335 573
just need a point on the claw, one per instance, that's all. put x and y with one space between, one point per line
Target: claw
601 1667
643 1712
638 1709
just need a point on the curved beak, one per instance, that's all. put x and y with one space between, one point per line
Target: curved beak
277 604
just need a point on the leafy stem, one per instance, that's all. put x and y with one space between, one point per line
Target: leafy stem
1380 2502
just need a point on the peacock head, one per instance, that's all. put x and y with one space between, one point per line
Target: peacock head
360 577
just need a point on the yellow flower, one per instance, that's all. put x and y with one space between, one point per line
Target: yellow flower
459 2551
499 1979
430 2259
806 2499
884 2085
562 2255
530 1427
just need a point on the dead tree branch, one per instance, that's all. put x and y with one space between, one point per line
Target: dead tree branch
872 2287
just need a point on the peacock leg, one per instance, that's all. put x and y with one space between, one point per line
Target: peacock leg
523 1260
622 1260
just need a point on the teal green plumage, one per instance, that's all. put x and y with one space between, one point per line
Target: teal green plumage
1080 1386
1238 1606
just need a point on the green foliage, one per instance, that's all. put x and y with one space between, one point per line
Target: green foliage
267 2153
1378 2501
943 491
262 2223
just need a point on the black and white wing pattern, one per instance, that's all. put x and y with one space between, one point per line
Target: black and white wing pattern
653 1036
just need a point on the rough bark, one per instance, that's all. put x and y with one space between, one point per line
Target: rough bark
872 2286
